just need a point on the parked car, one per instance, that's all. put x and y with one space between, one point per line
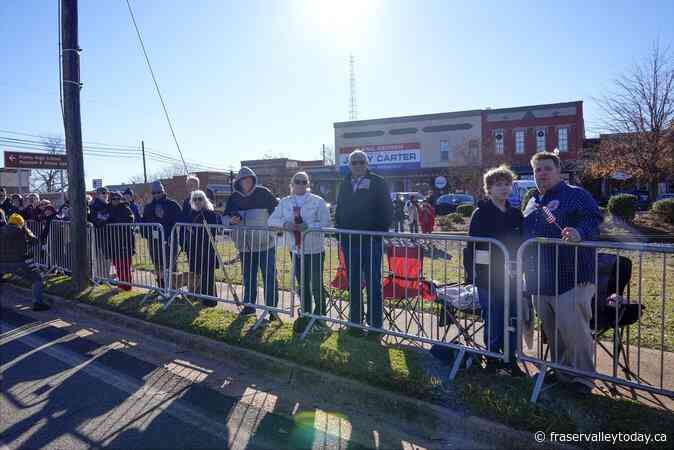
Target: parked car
446 204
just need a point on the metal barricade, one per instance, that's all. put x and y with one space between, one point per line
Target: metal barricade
237 265
416 288
581 305
59 246
38 250
136 252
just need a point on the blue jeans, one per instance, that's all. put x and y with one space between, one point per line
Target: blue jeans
492 311
266 262
30 273
362 257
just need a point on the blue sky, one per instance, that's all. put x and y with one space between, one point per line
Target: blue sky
242 79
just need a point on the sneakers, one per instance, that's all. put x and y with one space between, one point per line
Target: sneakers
247 311
40 307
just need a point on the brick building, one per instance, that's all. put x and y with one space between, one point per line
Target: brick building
513 135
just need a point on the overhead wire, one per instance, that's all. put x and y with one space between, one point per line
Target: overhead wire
95 148
156 85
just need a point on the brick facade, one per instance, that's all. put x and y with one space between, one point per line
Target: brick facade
530 120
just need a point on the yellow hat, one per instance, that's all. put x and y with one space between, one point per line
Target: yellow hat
17 219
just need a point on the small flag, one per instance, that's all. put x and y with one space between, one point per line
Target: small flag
549 216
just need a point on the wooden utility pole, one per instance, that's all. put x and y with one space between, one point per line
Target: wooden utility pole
142 146
70 54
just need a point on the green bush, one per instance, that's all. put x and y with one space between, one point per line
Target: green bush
530 193
623 206
664 209
465 210
455 218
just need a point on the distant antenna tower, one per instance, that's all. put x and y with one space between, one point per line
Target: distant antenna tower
353 106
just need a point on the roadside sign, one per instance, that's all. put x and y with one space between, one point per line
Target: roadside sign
27 160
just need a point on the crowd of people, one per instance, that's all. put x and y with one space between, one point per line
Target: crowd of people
563 287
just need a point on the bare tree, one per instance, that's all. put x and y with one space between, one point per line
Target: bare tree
50 180
639 115
174 170
465 167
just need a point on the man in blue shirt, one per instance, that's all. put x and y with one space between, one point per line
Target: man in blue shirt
562 281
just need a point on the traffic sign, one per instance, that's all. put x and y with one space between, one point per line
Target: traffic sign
27 160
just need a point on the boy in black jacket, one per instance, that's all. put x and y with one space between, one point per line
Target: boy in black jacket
485 266
364 203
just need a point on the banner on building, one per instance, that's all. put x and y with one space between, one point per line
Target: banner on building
385 158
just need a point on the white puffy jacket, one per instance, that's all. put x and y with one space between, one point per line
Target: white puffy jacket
314 213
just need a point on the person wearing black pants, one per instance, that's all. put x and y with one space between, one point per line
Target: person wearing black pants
364 204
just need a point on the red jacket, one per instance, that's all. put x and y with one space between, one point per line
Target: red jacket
427 218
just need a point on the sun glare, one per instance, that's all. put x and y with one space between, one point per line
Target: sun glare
345 22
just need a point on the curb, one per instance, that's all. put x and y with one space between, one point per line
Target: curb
481 430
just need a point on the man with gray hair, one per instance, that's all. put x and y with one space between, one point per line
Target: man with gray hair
364 203
191 184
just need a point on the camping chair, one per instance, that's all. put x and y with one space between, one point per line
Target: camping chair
406 289
341 283
466 317
614 312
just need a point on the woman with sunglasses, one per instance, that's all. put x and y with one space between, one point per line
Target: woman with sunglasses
296 213
200 249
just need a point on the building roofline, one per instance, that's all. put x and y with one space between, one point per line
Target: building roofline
403 119
449 115
524 108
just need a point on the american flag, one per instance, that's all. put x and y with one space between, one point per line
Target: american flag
549 216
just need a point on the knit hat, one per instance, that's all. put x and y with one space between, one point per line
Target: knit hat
49 209
17 219
157 187
128 191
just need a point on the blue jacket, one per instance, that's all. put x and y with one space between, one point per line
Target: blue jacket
574 207
136 211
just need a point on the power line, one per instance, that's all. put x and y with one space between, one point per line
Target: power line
89 150
156 85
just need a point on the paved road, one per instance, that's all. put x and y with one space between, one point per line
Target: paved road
73 382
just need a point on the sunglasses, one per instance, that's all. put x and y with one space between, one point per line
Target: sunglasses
300 182
357 163
198 199
115 199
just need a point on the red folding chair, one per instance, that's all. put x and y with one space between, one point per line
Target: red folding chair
406 289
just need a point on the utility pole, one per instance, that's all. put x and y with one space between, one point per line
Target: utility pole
323 154
142 146
70 54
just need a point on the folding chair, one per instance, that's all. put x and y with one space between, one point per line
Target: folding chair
614 310
450 315
406 288
341 283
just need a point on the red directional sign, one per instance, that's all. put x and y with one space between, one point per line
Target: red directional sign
26 160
